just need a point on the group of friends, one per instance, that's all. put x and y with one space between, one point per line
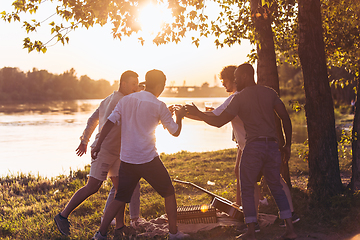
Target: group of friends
124 149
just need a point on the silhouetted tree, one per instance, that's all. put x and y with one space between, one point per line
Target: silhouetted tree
40 85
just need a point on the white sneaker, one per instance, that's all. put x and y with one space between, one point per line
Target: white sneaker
113 222
264 202
178 235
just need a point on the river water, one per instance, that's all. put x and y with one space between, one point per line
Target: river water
41 138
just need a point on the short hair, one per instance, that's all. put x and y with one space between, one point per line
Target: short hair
127 74
228 73
154 77
245 69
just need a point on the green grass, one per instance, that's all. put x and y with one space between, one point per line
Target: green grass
28 203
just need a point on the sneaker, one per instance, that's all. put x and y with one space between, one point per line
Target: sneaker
244 228
113 222
257 227
294 218
264 202
98 236
178 235
62 224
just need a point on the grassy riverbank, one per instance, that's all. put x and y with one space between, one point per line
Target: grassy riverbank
29 203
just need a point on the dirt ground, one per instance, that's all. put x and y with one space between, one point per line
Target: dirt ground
273 232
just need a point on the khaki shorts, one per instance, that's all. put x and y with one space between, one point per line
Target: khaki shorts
105 165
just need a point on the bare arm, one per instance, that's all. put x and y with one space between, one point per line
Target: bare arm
286 122
81 149
104 132
173 108
193 117
237 174
216 121
179 116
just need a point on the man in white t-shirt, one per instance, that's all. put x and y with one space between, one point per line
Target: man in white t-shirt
139 115
228 81
227 78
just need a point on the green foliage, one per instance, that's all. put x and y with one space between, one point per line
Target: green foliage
230 26
123 15
345 149
28 203
233 23
40 85
301 152
341 22
291 84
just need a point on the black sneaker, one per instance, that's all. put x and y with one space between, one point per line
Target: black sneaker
62 224
295 218
244 229
257 227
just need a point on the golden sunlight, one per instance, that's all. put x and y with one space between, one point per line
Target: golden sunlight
357 237
204 208
153 17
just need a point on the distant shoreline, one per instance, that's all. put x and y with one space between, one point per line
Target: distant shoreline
194 91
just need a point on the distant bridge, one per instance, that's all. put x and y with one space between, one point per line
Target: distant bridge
176 89
194 91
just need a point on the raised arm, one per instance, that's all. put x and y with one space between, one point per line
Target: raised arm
104 132
198 118
211 119
179 116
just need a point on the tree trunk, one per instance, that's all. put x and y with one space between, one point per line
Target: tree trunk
324 173
267 73
355 179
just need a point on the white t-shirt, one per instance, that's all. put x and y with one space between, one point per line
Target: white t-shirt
237 124
139 114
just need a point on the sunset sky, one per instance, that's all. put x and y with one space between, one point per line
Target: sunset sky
95 53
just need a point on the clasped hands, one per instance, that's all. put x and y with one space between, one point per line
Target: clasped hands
185 110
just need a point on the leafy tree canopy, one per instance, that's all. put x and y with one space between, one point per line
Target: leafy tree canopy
231 24
341 21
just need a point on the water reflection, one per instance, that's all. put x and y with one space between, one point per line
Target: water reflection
42 137
55 107
88 106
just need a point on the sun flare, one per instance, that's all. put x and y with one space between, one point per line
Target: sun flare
153 17
204 208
